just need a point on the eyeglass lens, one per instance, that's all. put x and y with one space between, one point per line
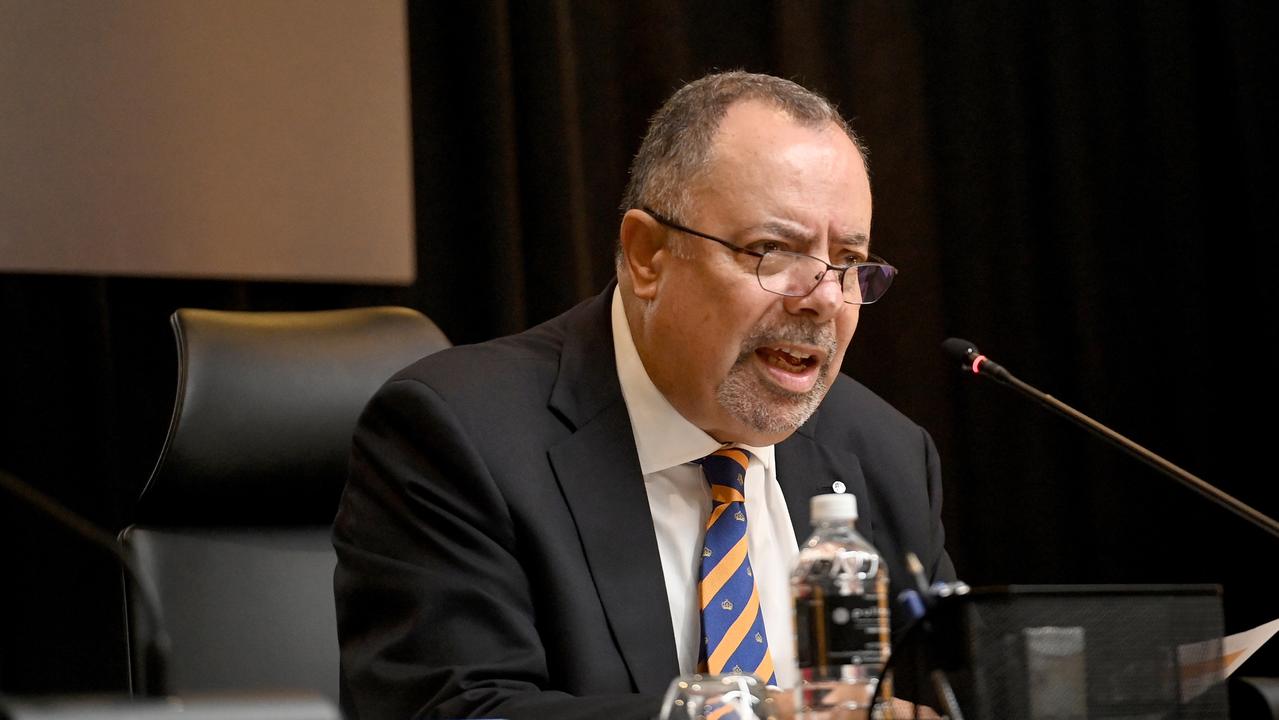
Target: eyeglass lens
797 275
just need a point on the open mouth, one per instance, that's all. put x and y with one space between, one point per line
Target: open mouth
790 360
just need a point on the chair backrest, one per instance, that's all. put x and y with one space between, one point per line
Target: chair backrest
232 529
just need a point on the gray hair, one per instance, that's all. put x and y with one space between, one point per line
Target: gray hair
677 146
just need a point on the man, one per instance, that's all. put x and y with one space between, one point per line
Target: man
525 520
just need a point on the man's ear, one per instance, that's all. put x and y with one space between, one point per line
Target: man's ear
644 251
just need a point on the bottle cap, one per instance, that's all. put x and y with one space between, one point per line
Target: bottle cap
834 506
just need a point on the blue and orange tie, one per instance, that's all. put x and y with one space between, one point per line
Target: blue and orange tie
733 636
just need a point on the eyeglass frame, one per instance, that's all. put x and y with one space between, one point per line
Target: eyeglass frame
842 270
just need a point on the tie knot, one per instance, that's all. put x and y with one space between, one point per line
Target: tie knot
726 467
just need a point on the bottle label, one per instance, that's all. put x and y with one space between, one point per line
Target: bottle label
836 630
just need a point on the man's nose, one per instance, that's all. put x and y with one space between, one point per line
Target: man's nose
824 301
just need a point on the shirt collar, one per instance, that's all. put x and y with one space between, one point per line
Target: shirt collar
663 437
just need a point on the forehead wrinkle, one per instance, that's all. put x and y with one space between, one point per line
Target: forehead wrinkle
789 231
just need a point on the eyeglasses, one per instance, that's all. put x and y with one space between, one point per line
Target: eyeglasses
796 275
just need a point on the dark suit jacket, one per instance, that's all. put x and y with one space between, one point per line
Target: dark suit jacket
496 553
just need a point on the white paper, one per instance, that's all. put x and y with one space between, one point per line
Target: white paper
1204 664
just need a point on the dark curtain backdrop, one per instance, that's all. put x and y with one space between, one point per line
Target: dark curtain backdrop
1086 189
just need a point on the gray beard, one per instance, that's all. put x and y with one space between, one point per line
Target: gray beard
762 406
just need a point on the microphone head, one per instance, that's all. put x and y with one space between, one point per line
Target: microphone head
971 360
962 351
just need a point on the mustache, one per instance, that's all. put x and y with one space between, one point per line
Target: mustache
796 332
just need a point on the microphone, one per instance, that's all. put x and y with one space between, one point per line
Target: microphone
971 360
156 649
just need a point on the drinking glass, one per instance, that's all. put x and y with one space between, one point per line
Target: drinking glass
718 697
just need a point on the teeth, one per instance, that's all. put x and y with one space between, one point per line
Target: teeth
777 361
794 354
784 361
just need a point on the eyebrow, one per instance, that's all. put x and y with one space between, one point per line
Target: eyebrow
859 240
792 232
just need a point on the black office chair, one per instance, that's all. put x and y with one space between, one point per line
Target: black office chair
232 531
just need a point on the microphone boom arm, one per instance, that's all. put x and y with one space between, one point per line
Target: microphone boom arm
976 363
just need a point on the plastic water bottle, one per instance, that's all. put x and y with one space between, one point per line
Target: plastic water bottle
840 595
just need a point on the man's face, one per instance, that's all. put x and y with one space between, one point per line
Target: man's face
744 364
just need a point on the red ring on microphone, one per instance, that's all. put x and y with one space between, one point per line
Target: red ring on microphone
977 361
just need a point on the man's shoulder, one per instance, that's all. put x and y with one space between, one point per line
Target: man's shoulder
508 366
513 357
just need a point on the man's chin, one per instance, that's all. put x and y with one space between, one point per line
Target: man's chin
768 410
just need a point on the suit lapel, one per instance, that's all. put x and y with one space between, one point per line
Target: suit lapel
598 471
601 480
806 468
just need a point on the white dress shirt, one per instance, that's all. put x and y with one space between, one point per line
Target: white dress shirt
680 501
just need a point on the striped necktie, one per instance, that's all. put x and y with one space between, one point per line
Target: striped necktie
733 636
